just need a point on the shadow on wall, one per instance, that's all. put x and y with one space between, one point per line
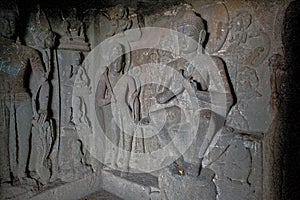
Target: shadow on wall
291 164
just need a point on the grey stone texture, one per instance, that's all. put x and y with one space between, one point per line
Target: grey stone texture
142 99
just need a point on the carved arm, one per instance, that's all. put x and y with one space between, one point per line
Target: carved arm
101 100
41 87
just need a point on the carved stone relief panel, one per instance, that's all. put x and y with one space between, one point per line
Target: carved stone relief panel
247 45
73 160
185 94
217 27
27 130
158 109
240 39
74 82
104 23
73 31
245 52
237 162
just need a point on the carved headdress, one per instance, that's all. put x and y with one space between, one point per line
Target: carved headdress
38 32
9 13
189 17
116 51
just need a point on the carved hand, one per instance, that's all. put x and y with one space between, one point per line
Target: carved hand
164 97
104 101
144 121
204 96
112 99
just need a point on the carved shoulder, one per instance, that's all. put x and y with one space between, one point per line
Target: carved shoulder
224 79
222 72
219 63
36 63
102 80
129 80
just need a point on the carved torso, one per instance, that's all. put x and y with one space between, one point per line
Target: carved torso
14 59
12 69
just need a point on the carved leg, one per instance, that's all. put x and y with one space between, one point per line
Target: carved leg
4 137
128 147
12 146
39 153
207 128
116 132
23 122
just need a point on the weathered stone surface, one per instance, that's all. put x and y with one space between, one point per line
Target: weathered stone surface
131 186
73 190
236 161
24 101
191 96
185 186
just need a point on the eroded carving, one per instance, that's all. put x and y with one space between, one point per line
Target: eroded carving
195 73
238 119
42 163
81 80
193 78
120 91
74 32
72 26
184 186
184 97
247 91
218 25
80 114
234 160
39 35
42 140
73 158
68 77
19 109
120 21
278 81
248 84
248 48
238 29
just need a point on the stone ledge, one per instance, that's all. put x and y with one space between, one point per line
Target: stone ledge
73 190
131 186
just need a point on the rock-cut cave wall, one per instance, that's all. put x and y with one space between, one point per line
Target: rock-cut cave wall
148 99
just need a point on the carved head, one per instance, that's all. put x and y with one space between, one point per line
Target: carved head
118 12
192 31
241 21
8 21
40 30
118 57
